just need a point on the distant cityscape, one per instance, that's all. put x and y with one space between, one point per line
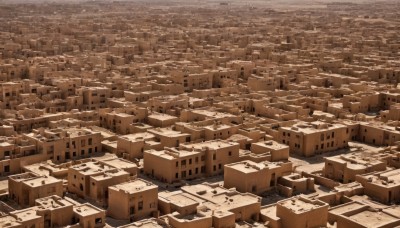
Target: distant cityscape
199 114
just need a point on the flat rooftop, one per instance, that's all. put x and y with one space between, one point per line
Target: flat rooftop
217 127
172 153
109 174
313 127
162 116
354 161
137 137
86 210
213 144
24 215
385 179
40 181
271 144
148 223
211 114
9 221
52 202
351 206
229 201
371 218
119 163
252 167
219 198
167 132
299 205
137 185
91 168
179 198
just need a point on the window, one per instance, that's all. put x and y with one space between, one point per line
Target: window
333 134
196 159
132 210
98 220
196 171
230 153
322 137
190 161
140 205
203 158
214 157
6 168
220 166
177 164
90 141
215 168
183 162
176 175
190 172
